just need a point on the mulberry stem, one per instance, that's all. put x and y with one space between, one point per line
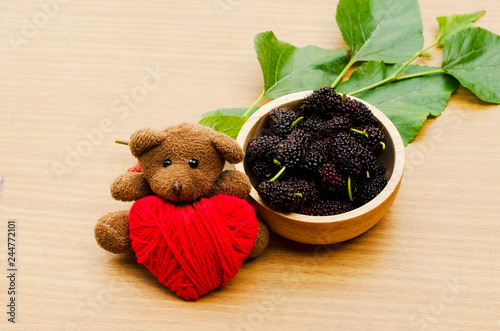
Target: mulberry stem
359 131
297 120
349 191
277 175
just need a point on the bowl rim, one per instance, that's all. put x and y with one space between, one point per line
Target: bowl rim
392 184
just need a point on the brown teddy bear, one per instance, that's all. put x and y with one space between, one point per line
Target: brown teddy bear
182 165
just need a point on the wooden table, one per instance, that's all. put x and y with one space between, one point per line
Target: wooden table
432 263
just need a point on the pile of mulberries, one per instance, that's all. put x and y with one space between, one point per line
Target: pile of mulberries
321 159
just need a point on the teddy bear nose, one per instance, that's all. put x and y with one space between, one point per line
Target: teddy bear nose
177 188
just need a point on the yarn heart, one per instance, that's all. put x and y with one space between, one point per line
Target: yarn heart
192 248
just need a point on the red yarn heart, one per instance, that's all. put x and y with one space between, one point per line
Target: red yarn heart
192 248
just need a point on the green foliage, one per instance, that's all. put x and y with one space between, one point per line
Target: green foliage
380 30
449 25
228 124
387 34
408 102
228 111
288 69
472 56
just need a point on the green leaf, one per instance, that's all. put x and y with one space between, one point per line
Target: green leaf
381 30
229 111
228 124
472 56
449 25
407 103
367 74
288 69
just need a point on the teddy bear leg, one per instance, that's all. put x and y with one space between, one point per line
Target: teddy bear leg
261 241
111 232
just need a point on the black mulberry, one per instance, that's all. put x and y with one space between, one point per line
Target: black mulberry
322 101
288 196
291 150
357 112
325 208
282 120
367 189
261 147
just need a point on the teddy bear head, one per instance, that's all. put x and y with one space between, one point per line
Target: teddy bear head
182 162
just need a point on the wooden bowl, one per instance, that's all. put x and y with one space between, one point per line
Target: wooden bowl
320 230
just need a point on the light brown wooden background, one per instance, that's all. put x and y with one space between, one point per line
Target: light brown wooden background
433 262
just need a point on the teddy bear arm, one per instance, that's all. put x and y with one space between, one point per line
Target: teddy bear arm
130 186
232 182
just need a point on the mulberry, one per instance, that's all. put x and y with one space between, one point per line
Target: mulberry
282 120
322 158
322 101
325 208
263 169
335 125
370 137
334 179
288 196
368 188
261 147
291 150
357 111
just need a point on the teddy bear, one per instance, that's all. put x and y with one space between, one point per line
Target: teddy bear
180 181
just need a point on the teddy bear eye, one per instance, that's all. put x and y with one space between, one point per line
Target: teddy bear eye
193 163
166 163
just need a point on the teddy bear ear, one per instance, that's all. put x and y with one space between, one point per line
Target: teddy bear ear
143 140
228 147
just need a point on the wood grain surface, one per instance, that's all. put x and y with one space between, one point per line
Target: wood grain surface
94 71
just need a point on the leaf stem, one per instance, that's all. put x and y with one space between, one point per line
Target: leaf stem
402 77
413 58
342 74
395 77
254 104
